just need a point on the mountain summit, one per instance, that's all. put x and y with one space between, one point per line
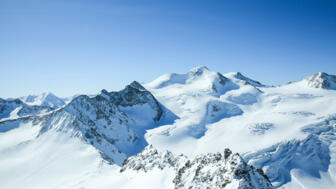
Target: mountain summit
321 80
197 79
44 99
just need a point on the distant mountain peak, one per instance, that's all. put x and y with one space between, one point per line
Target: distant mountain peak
321 80
48 93
198 70
44 99
104 91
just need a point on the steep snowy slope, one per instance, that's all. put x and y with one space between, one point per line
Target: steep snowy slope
51 160
269 130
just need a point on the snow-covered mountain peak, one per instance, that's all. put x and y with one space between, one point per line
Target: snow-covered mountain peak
44 99
198 70
197 79
50 99
132 97
200 75
202 79
321 80
137 85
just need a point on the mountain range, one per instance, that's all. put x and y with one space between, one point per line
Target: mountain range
200 129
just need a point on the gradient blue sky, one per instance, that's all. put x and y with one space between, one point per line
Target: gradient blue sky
81 46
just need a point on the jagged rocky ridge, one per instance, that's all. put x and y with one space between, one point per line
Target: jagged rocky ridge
219 170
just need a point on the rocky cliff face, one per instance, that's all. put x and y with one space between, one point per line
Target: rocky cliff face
220 170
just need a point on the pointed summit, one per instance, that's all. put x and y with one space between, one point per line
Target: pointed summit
199 70
130 100
137 85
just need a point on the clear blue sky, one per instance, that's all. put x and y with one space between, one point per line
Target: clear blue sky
82 46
